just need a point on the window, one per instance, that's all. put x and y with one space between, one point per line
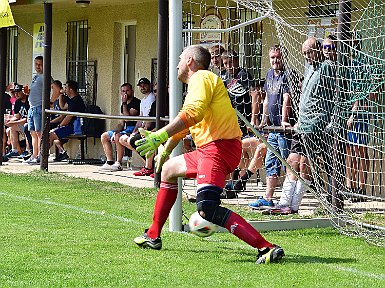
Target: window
323 8
12 52
77 53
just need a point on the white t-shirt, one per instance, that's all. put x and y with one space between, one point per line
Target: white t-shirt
145 104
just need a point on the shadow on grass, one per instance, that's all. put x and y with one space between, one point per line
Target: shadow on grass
316 259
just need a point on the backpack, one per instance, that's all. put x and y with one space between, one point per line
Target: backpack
93 127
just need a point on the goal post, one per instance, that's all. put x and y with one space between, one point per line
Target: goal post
357 138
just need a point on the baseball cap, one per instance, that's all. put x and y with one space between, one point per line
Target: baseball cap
143 81
17 88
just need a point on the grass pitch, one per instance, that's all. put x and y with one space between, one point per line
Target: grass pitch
57 231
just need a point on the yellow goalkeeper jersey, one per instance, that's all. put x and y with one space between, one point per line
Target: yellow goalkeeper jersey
207 110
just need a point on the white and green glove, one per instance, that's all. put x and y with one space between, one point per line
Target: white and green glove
160 158
150 141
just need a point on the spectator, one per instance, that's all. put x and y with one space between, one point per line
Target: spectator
66 126
145 107
278 105
358 124
216 60
8 110
253 149
129 142
237 81
16 123
130 107
315 109
329 48
35 111
58 101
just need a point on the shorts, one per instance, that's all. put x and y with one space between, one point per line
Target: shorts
63 131
127 131
34 118
281 143
360 134
297 145
211 163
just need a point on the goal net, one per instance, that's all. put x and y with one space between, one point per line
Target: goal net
348 153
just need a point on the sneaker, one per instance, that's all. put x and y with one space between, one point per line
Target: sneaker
240 185
278 211
116 167
146 242
106 167
61 157
4 159
12 154
33 161
270 255
26 157
22 155
261 202
144 172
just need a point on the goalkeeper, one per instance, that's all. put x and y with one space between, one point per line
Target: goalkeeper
208 115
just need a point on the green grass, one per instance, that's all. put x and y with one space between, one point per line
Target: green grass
57 231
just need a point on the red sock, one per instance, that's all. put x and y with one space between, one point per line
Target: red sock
164 201
244 231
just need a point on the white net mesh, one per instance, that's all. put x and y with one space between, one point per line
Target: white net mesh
347 151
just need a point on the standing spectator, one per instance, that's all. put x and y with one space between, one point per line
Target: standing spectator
130 107
315 109
364 98
66 126
208 115
278 105
35 111
16 123
238 81
145 107
329 48
217 66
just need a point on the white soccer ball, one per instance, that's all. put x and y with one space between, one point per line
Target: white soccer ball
200 226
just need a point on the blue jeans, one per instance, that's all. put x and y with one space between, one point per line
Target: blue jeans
281 143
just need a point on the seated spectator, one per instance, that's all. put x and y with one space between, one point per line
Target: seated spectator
66 126
16 122
253 149
237 81
58 101
129 142
130 107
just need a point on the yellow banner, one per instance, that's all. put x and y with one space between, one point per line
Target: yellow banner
6 18
38 38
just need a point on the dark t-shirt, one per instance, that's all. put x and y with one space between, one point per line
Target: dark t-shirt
76 104
238 88
134 104
152 113
275 86
7 102
22 108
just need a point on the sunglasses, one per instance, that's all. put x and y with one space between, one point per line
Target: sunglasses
331 47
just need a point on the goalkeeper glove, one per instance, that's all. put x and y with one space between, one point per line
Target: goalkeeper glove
150 142
160 158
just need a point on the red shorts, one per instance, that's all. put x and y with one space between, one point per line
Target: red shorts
211 163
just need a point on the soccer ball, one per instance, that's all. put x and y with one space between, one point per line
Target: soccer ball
200 226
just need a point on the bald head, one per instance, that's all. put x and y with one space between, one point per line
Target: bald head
311 50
